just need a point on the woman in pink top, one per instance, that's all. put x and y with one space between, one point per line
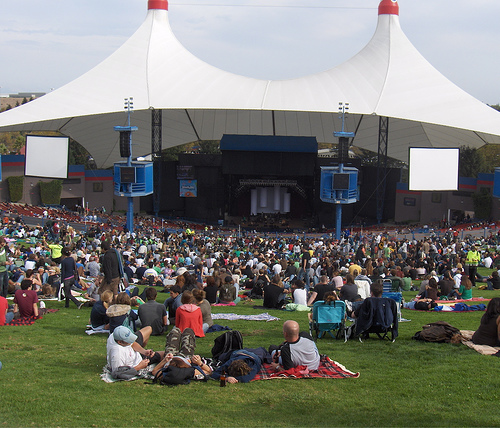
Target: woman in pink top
189 315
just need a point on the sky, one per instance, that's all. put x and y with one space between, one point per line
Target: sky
45 44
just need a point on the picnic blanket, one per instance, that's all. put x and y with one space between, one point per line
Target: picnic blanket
230 316
455 306
30 320
143 374
460 307
93 330
327 369
482 349
452 302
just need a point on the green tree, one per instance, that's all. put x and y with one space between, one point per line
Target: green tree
172 153
483 202
78 155
209 146
490 154
471 162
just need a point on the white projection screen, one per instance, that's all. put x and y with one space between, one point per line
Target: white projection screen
46 156
433 169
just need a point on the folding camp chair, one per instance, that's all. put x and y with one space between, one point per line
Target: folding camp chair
363 288
378 315
387 284
328 317
398 298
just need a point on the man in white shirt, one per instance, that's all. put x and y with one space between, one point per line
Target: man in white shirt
277 268
488 261
124 350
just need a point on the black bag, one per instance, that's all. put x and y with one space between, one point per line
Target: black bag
226 342
174 375
439 331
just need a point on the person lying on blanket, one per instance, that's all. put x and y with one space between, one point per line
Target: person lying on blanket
125 353
298 349
179 350
242 365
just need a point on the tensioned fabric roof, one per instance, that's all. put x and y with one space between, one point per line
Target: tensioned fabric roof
388 78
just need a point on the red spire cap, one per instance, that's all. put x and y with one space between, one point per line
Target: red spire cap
158 4
388 7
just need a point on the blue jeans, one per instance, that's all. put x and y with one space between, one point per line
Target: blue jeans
9 317
307 278
4 283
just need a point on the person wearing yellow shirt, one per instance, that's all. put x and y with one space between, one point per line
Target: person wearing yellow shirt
55 251
472 261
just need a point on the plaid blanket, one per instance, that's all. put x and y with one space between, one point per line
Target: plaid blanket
29 320
327 369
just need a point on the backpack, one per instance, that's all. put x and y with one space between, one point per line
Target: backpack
439 331
226 342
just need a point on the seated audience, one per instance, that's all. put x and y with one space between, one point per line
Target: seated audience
98 317
375 312
488 332
211 290
206 310
298 349
349 291
26 300
173 302
431 290
152 313
274 297
227 291
5 316
465 290
121 313
299 292
446 284
493 281
188 315
321 288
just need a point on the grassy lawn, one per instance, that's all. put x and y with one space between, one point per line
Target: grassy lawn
50 377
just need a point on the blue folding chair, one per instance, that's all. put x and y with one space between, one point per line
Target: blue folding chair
328 318
387 284
398 297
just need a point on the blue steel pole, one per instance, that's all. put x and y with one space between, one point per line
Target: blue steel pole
130 199
130 214
338 226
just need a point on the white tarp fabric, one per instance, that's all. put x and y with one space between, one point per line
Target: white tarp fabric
387 78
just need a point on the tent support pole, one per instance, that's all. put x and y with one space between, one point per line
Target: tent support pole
156 147
383 143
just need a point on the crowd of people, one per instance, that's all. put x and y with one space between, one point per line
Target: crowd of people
199 268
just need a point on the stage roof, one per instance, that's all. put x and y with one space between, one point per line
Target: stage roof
387 78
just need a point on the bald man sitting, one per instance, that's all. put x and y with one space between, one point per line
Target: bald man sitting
298 349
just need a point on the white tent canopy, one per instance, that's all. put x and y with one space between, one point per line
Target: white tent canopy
387 78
